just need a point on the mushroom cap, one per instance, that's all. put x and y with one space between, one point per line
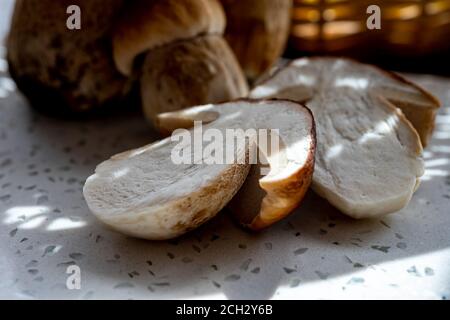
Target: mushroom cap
257 31
146 24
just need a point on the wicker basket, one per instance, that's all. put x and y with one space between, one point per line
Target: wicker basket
408 27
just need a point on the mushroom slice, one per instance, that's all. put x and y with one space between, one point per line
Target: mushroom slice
368 154
163 190
283 171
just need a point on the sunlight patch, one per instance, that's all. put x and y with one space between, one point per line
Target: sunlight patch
20 214
65 224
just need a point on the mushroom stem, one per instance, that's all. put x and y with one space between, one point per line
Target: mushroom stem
190 72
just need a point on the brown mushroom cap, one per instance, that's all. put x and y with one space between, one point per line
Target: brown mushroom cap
149 24
64 72
257 31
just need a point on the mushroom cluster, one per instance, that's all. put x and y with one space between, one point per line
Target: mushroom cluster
174 52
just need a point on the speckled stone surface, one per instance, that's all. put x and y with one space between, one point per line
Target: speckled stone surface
45 227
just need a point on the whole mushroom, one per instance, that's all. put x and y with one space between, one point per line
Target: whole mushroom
180 55
257 31
62 70
174 49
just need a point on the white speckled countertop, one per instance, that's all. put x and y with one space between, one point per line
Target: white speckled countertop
317 253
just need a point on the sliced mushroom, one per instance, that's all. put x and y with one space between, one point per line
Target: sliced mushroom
368 154
150 193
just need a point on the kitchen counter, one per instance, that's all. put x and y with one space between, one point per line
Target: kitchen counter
46 227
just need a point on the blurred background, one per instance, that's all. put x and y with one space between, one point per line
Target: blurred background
414 34
6 7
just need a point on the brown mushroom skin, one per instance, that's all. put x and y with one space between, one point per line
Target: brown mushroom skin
60 70
190 72
257 31
258 205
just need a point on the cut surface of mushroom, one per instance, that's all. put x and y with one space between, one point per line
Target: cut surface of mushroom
149 193
286 152
368 154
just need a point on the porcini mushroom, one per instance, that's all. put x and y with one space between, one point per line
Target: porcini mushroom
185 59
257 31
369 156
148 193
62 70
